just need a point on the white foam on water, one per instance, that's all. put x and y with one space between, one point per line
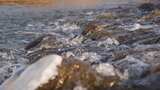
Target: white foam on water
137 26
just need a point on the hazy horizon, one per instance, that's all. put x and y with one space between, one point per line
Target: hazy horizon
67 2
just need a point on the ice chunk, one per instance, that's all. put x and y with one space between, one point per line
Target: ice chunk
106 69
35 75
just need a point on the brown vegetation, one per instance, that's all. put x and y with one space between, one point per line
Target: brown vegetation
74 72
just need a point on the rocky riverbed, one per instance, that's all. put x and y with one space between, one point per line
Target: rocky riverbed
101 49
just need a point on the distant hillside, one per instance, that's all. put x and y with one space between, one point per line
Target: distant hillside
26 2
69 2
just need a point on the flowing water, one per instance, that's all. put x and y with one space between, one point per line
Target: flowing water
20 25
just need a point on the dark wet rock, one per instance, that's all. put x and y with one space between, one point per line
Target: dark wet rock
146 53
146 48
44 45
151 40
98 31
36 55
157 5
130 37
151 57
132 68
118 55
153 17
147 7
34 43
136 36
44 42
150 82
156 20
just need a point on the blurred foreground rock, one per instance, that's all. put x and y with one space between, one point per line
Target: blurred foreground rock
55 73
